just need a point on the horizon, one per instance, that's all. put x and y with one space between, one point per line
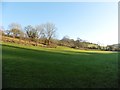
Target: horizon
94 22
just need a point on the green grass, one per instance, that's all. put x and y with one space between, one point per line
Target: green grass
61 67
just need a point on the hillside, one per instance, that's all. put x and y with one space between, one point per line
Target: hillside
26 41
61 67
115 47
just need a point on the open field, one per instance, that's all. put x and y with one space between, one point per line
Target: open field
61 67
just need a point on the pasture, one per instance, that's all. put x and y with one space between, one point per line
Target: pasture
61 67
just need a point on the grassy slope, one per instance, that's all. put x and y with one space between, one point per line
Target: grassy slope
34 67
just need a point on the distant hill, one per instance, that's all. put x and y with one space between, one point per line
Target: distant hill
115 47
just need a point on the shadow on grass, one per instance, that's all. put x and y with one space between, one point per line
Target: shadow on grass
47 69
62 52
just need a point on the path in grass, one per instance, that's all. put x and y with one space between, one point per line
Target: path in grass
36 67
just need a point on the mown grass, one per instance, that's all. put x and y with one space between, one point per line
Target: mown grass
61 67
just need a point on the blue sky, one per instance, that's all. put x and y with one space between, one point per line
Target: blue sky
94 22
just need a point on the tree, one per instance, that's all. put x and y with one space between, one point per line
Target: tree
65 41
72 43
8 32
80 40
31 33
40 30
79 43
21 35
1 31
109 47
50 30
66 38
15 29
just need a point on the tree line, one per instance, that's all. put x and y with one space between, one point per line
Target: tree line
45 34
32 33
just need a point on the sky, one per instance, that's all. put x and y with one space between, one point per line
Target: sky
96 22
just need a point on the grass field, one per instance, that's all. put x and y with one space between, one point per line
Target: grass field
61 67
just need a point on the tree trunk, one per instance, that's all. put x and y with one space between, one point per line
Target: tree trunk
20 39
45 41
29 41
36 42
48 42
13 35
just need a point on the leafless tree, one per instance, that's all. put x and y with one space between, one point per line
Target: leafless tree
50 30
1 32
31 33
15 28
7 32
21 36
40 32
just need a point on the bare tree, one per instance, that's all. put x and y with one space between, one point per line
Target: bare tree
15 28
21 35
31 33
1 32
66 38
50 30
7 32
26 38
65 41
40 32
